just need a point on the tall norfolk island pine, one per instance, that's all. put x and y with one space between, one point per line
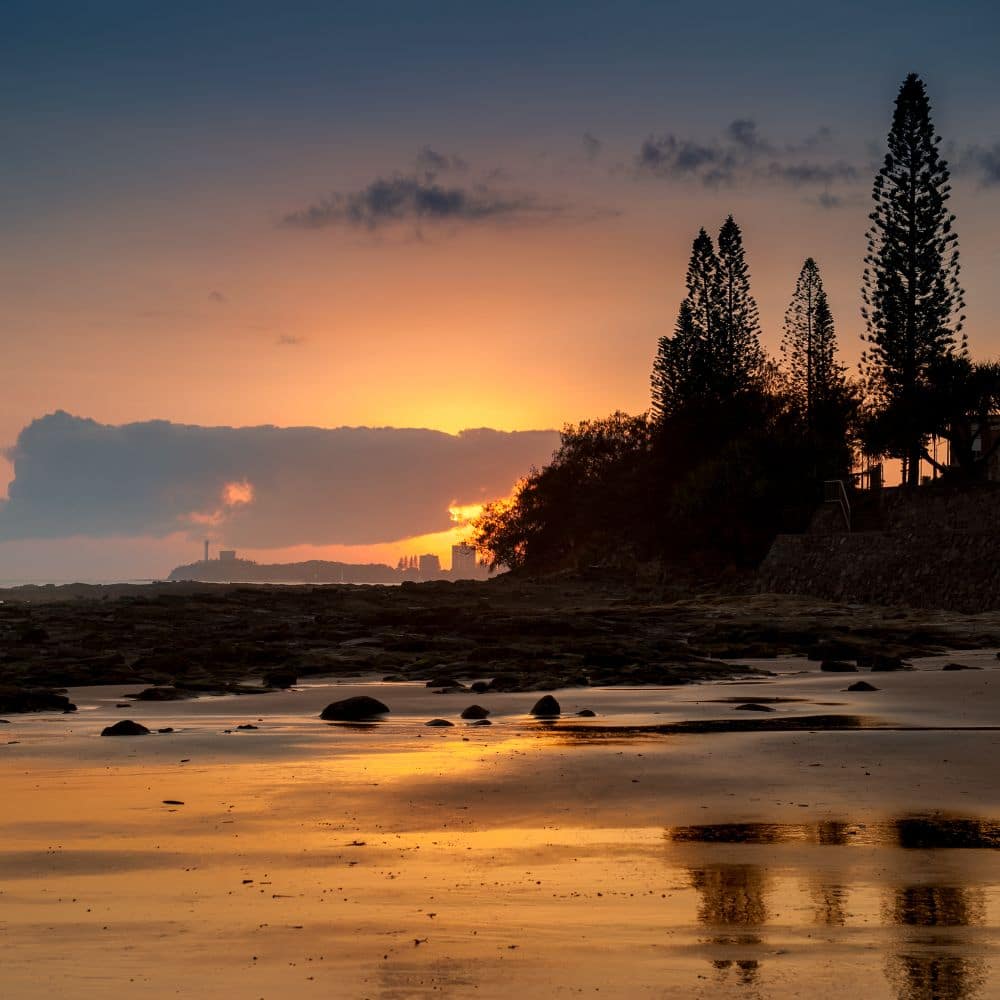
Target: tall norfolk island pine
913 301
809 344
715 350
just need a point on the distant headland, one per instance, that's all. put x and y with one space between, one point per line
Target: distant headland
228 568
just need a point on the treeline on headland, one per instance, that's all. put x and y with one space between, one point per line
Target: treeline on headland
737 445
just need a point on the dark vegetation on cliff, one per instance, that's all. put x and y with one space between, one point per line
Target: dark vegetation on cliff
736 447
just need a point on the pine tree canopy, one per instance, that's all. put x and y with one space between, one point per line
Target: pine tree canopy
715 352
913 301
809 344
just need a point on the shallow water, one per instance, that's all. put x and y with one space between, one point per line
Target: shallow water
303 859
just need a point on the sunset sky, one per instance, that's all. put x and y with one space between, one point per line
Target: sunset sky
438 215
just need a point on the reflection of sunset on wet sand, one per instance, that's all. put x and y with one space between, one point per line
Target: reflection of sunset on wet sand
394 860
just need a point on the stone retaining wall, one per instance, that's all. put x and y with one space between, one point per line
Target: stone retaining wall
940 549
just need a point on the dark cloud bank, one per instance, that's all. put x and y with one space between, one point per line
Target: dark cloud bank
348 485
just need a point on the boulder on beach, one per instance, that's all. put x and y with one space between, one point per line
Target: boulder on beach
753 706
586 713
439 723
882 663
125 728
838 667
546 707
481 722
475 712
33 700
361 708
862 686
282 679
162 694
479 687
959 666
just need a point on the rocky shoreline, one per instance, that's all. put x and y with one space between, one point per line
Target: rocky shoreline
176 641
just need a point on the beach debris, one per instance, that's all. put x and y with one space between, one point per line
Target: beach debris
358 709
862 686
838 667
546 707
125 728
439 722
475 712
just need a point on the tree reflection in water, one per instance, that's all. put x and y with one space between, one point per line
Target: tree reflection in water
733 905
931 962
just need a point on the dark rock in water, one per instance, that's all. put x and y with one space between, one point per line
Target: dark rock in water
281 679
33 700
394 679
449 684
481 722
123 704
162 694
358 709
166 729
586 713
546 707
752 706
882 663
440 723
862 686
125 728
959 666
4 722
832 650
475 712
838 667
247 725
479 687
172 802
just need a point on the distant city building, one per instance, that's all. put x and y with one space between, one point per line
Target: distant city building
227 555
463 562
430 566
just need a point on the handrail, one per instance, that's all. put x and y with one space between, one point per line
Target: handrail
834 491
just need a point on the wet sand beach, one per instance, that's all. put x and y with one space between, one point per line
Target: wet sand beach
595 855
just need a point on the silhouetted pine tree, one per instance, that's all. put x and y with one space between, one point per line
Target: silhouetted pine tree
672 376
913 301
737 357
681 369
809 344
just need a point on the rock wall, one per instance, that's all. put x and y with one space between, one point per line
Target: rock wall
939 548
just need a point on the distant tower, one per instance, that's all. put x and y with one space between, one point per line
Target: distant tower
430 566
206 550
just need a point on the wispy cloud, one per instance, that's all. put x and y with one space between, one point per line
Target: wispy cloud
592 146
979 162
742 155
388 201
